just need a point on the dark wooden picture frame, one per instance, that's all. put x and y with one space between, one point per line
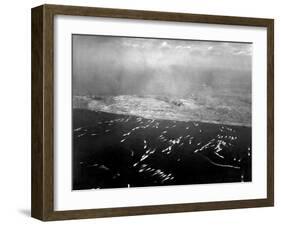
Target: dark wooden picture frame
42 203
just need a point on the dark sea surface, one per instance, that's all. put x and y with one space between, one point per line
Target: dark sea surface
116 151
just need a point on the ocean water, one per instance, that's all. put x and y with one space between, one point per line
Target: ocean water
112 150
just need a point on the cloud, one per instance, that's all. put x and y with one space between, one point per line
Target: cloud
183 47
108 63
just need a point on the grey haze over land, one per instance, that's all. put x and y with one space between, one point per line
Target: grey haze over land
107 65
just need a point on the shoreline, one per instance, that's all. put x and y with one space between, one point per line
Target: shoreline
224 123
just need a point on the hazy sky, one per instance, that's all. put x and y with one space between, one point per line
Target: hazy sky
120 65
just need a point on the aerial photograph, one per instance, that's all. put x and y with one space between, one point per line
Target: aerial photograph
160 112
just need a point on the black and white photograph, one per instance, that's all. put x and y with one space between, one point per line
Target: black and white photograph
160 112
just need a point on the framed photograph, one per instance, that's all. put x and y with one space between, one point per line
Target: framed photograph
142 112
